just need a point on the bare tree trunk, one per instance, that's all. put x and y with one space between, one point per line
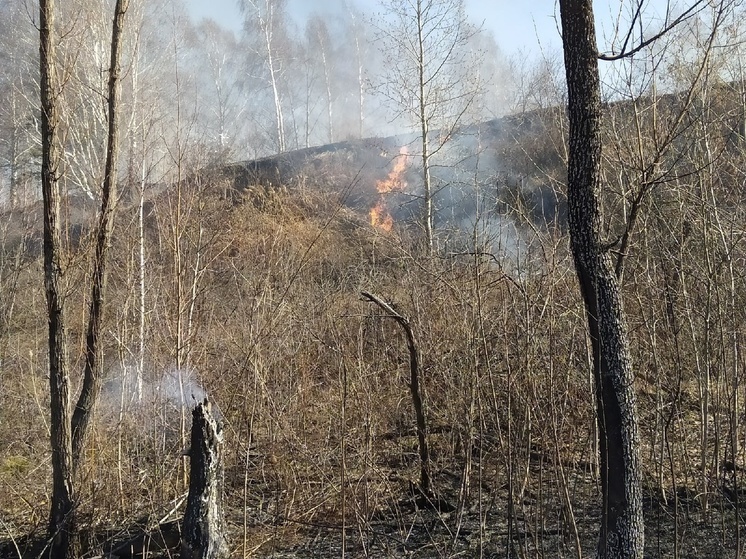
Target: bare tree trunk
328 83
61 518
622 530
360 75
203 533
272 65
66 440
141 286
425 133
13 158
92 371
414 388
430 78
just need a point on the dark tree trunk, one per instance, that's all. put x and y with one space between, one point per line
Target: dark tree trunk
67 435
203 532
622 530
92 371
416 392
61 517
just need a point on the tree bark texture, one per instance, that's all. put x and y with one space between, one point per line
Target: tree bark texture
61 517
92 372
622 530
203 532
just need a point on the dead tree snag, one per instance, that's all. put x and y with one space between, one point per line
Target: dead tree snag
203 532
414 388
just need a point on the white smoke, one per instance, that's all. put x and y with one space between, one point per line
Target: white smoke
179 388
170 392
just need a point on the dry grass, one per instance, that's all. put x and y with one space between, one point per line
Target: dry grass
312 385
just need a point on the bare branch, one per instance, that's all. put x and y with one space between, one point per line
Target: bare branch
690 12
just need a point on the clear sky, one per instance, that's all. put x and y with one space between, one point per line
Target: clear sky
521 28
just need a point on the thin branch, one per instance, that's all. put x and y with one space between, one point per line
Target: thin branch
693 10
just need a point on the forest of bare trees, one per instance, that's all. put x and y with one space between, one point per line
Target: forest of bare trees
442 302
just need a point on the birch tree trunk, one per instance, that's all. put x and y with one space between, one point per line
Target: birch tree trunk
622 529
360 75
268 30
328 83
427 218
431 77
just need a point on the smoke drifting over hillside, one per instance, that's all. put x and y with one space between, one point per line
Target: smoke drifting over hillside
198 93
480 187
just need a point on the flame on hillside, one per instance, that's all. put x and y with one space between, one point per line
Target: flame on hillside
394 182
380 217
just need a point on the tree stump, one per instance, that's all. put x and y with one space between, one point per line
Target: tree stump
203 532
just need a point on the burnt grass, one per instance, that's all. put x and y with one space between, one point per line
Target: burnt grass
263 520
490 525
305 498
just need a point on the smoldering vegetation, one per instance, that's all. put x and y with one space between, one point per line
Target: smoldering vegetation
237 272
311 381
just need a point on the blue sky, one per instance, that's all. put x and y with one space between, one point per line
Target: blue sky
521 28
516 25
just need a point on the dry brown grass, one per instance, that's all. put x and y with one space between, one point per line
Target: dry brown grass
311 383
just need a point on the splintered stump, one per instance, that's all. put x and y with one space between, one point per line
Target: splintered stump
203 531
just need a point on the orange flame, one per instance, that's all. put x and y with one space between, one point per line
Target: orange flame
394 182
380 217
